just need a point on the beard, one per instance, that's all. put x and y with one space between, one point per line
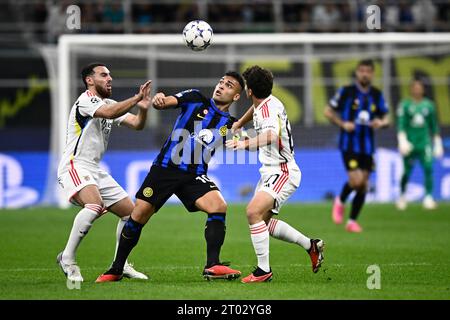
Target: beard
104 93
364 82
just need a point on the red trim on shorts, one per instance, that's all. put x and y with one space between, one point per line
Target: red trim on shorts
284 177
74 174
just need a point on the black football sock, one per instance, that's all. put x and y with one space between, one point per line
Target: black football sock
128 240
358 202
214 235
346 190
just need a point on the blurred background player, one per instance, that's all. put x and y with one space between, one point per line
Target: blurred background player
280 174
417 126
181 169
357 109
79 174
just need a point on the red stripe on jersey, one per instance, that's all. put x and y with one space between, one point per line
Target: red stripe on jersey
265 111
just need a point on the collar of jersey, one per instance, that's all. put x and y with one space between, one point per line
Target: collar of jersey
358 87
213 104
264 101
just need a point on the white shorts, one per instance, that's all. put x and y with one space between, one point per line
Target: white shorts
78 177
280 182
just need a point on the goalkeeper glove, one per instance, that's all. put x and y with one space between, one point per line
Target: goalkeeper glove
404 146
438 150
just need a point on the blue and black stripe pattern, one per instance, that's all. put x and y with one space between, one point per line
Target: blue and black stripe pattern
198 130
359 107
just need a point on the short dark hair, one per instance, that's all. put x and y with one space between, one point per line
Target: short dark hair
418 79
89 70
260 80
367 63
237 76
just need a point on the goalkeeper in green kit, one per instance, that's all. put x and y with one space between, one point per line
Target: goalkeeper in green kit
418 139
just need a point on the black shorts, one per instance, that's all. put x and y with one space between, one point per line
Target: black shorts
354 161
161 183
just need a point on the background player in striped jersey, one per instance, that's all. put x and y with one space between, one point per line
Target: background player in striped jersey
181 169
280 175
79 173
357 109
417 127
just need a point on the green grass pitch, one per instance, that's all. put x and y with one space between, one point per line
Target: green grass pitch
411 249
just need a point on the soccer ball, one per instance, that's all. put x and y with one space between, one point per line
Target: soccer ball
197 35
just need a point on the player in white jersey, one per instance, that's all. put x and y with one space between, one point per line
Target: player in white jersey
79 174
280 175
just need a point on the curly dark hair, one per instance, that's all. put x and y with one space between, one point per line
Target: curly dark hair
260 80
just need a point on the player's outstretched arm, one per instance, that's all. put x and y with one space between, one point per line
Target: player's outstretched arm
160 101
263 139
115 110
248 116
137 122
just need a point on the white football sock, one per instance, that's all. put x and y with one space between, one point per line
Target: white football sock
81 225
282 231
120 225
260 239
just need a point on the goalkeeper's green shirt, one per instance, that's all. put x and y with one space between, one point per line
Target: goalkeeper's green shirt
417 120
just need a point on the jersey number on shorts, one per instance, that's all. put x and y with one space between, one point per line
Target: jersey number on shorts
203 178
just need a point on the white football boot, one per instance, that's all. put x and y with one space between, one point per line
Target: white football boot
130 272
72 271
429 203
401 203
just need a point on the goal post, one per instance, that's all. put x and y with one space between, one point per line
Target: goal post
296 57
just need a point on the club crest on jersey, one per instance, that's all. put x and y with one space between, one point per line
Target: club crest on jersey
353 164
223 131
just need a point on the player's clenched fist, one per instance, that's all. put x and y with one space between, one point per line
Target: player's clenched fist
158 99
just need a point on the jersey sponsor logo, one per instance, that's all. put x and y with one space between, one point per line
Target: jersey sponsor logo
418 121
147 192
363 118
373 107
206 136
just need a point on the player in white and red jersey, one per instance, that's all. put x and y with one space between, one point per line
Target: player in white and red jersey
79 174
280 175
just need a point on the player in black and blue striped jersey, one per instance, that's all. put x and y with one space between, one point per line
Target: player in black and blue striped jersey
181 169
357 109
